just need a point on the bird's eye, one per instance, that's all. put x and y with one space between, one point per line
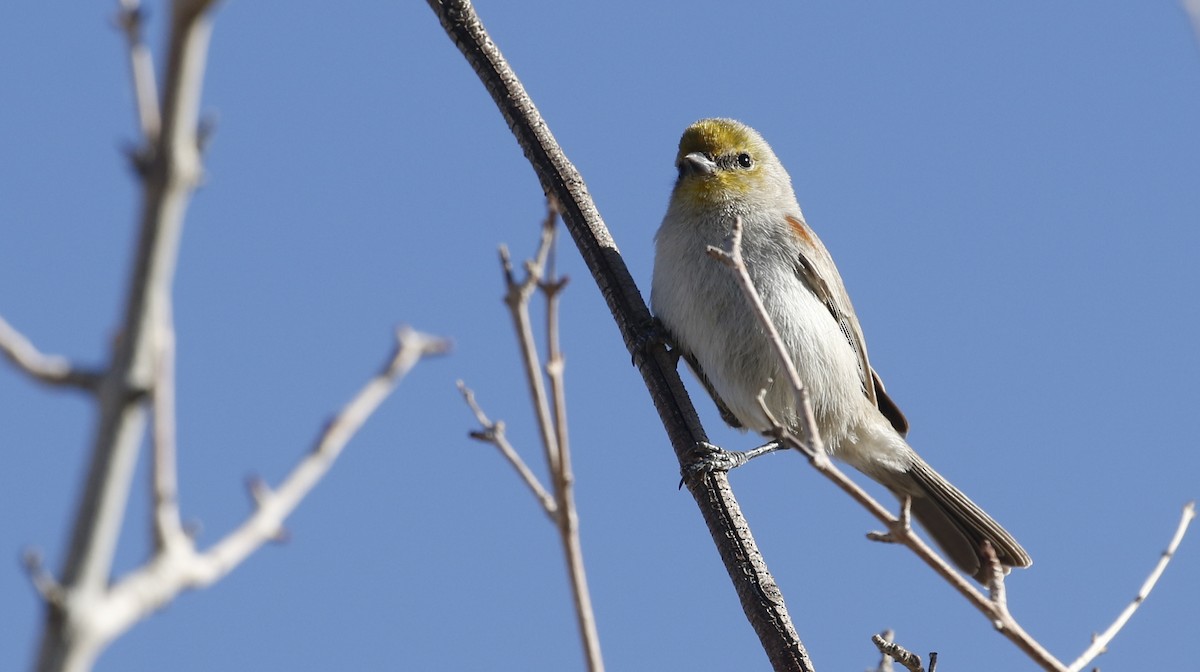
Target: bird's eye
744 160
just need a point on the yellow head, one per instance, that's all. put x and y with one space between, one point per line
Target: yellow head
722 160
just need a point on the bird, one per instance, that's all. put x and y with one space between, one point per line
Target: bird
727 173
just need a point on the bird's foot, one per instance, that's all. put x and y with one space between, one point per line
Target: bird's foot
708 458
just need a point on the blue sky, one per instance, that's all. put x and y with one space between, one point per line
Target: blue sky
1011 192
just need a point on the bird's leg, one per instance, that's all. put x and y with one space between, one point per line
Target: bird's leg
710 458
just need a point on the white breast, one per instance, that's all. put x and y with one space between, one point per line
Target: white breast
699 302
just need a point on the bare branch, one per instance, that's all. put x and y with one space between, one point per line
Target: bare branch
49 369
552 287
493 433
560 506
757 591
274 506
893 651
130 19
167 184
885 661
516 297
564 479
1100 643
178 567
167 525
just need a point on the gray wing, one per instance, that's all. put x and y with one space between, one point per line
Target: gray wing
838 302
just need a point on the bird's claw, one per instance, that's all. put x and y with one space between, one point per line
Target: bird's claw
708 459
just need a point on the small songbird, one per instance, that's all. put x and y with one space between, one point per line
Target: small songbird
726 172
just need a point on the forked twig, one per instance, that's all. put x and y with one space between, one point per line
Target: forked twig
516 297
551 419
493 433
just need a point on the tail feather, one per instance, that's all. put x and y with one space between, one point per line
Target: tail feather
958 525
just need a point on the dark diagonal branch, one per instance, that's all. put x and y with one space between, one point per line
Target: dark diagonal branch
760 597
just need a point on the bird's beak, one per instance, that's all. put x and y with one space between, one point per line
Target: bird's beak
696 163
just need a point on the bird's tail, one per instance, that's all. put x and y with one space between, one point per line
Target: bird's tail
956 523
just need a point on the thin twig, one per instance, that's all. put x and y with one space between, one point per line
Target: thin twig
898 530
733 260
893 651
564 480
516 297
1100 642
552 286
130 20
49 369
493 433
552 420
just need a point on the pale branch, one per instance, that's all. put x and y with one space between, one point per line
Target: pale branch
560 505
493 433
49 369
759 595
552 287
169 175
893 651
1100 642
177 567
166 525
